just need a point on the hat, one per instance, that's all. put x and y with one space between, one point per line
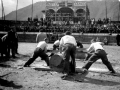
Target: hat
67 33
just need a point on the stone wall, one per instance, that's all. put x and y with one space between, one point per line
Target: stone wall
84 38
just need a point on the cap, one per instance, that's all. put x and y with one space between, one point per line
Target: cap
68 33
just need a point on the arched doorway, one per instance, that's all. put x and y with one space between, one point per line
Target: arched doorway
80 12
50 14
65 14
80 15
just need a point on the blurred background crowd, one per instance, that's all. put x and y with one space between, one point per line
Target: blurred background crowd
90 26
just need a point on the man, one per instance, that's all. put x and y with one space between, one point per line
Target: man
79 44
40 51
8 43
1 47
68 48
96 51
118 39
56 44
55 47
15 41
40 36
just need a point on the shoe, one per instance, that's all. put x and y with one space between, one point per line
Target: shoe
14 57
66 77
79 80
85 72
26 66
113 73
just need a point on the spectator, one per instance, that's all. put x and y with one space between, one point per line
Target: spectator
8 44
118 39
40 37
105 41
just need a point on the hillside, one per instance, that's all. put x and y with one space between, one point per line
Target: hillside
25 12
97 10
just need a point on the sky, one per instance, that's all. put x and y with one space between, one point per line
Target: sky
10 5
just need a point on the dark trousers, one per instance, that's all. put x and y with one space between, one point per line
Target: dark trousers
38 53
99 54
11 50
118 42
69 51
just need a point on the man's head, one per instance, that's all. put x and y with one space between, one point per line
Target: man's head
67 33
46 40
59 38
93 40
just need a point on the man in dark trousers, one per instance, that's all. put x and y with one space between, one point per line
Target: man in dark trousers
98 52
68 48
40 51
118 39
8 44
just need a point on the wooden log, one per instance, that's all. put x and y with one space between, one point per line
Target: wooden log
81 53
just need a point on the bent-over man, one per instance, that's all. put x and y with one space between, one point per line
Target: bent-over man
40 51
56 44
68 47
97 52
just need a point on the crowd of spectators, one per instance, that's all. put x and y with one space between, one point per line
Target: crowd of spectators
47 26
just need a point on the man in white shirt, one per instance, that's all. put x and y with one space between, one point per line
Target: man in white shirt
56 44
68 48
40 51
97 52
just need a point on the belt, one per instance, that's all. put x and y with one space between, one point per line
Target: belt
69 43
99 49
39 48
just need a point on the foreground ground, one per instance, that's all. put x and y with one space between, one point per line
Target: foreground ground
39 77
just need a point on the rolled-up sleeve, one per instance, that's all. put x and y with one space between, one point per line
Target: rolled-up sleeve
61 42
90 49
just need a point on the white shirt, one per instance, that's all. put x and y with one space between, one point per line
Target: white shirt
95 46
57 42
68 39
43 45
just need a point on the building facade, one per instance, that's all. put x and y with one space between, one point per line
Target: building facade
64 11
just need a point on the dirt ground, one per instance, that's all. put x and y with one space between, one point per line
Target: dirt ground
40 77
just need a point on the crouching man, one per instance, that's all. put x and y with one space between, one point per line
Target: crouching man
40 51
98 52
56 44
